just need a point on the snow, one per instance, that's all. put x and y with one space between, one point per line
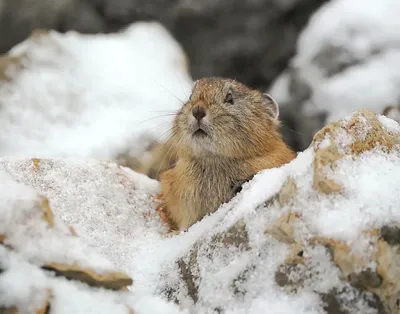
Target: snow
389 124
93 95
29 288
25 229
371 204
119 221
21 283
70 186
280 88
363 37
88 97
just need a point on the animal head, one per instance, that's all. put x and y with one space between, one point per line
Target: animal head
224 117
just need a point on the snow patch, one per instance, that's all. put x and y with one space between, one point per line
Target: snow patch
389 124
93 95
348 55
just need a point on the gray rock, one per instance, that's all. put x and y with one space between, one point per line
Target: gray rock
322 81
18 18
251 41
391 234
194 272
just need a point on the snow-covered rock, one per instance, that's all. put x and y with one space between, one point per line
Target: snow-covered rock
58 247
318 235
90 95
105 203
347 59
392 112
35 245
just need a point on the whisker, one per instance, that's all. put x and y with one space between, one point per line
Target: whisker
166 89
165 111
286 127
177 77
157 117
159 137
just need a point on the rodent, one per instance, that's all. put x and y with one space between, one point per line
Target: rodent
223 135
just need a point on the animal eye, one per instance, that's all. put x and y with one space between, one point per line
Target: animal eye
229 98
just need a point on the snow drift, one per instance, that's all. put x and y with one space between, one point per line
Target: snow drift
91 95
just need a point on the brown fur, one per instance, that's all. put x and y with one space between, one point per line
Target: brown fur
242 139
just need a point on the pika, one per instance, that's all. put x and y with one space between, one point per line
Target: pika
223 135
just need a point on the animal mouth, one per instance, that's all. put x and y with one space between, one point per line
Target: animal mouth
200 133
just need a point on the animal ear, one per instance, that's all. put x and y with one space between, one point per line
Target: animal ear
272 106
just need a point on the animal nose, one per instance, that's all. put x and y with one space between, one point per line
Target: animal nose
199 113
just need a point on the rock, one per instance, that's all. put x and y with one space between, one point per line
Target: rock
10 310
112 280
7 64
364 132
88 270
189 273
12 64
391 234
287 192
13 228
321 82
31 245
129 99
392 112
351 268
120 193
216 40
21 17
156 159
236 236
283 228
47 232
333 301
